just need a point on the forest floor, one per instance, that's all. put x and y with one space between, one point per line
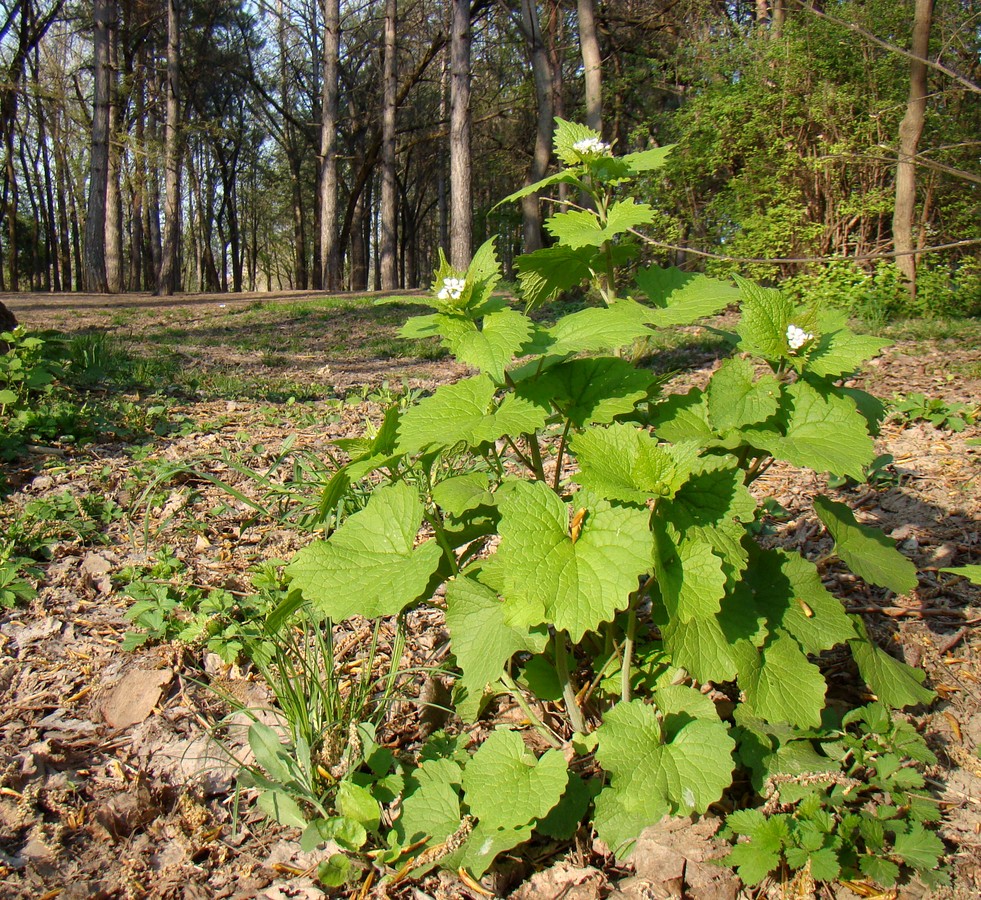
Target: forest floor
106 789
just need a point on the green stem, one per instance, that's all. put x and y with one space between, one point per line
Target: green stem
628 649
524 459
436 524
515 691
536 456
558 457
568 688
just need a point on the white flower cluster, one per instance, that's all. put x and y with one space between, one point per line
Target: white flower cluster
452 289
591 145
797 337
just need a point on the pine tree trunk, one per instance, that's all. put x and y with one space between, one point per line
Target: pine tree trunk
167 280
592 64
94 269
329 251
544 92
910 130
461 172
114 200
388 249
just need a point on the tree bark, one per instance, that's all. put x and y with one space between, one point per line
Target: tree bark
94 267
167 280
114 202
544 92
330 256
461 171
910 130
592 64
387 251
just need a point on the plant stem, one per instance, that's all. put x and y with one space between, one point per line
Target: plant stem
436 524
511 443
628 648
558 457
515 691
536 456
568 688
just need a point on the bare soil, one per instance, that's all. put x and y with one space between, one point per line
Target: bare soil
106 790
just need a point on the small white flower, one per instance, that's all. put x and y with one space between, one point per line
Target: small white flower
797 337
452 289
591 146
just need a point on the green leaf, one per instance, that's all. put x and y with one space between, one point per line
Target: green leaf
766 313
752 863
879 869
482 642
282 807
269 751
736 398
546 273
545 576
582 228
647 160
464 413
711 506
690 577
356 803
866 551
348 833
701 646
594 389
919 848
370 566
971 573
484 845
683 417
529 189
335 871
787 589
780 683
462 493
567 135
598 329
565 817
684 297
430 809
489 348
824 433
838 350
504 769
622 462
649 776
893 682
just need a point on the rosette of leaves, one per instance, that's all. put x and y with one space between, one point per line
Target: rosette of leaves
847 800
625 578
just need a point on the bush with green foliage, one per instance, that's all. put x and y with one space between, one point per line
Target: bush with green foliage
591 543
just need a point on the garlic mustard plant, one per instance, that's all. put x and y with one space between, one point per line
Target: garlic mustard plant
590 540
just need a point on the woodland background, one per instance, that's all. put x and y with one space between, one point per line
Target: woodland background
213 145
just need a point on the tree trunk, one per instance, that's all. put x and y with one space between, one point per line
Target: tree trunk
592 64
329 251
910 130
544 93
461 172
387 251
94 268
167 280
114 201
